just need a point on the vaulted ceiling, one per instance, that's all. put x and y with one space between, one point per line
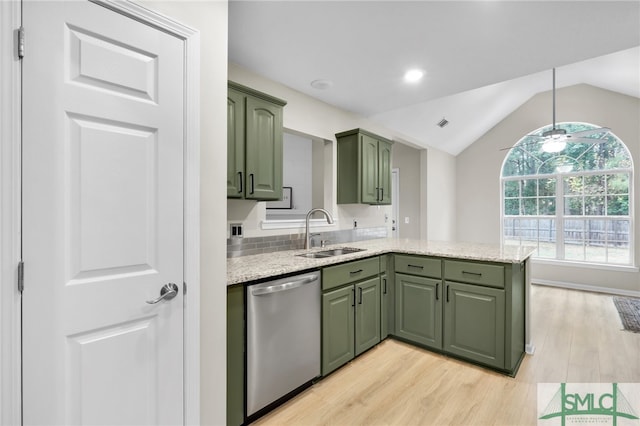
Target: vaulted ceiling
482 59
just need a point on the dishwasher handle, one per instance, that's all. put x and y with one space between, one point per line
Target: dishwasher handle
284 286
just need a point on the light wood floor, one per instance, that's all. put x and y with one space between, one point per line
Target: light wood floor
577 336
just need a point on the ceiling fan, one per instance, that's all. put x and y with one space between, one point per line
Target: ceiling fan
555 139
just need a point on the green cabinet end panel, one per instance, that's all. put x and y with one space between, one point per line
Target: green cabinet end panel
337 328
419 310
235 355
349 170
475 323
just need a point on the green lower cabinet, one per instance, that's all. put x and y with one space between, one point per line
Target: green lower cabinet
350 322
367 314
418 309
475 323
338 345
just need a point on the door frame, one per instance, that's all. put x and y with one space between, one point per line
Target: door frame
10 203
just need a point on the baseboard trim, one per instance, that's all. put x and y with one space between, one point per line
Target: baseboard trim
585 287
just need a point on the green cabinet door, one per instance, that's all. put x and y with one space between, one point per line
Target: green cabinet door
475 323
384 306
337 328
384 172
367 322
370 185
235 144
419 309
263 155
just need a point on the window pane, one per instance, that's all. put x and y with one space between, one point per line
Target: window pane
594 184
547 206
573 206
512 188
530 188
547 187
618 184
594 206
512 206
573 185
618 205
529 206
574 230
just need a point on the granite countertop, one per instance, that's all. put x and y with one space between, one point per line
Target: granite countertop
261 266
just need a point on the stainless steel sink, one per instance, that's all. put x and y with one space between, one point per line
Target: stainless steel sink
331 253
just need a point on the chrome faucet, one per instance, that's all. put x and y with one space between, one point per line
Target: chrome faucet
307 236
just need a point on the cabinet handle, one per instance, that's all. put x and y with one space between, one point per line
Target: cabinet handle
251 177
360 296
437 288
415 266
355 272
384 289
447 294
353 297
240 186
477 274
381 194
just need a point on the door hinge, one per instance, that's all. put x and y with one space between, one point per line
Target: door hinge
184 288
21 42
21 276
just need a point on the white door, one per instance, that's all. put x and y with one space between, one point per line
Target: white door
102 218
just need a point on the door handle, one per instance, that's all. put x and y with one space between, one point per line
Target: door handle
167 292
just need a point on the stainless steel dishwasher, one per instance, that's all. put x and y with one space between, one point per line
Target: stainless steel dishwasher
283 338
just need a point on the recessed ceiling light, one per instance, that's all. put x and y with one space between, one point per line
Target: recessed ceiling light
321 84
413 76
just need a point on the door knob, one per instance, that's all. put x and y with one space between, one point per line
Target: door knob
167 292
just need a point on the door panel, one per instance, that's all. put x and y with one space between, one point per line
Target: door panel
474 323
263 150
369 170
102 218
337 328
367 315
419 310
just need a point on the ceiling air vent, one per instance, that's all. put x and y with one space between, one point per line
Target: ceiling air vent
443 122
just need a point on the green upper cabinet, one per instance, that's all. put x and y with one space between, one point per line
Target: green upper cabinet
254 144
364 168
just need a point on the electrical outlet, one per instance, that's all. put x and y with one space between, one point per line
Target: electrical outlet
236 230
355 223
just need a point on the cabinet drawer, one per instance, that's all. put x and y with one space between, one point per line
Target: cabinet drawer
418 265
474 273
335 276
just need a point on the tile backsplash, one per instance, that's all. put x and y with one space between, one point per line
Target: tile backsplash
237 247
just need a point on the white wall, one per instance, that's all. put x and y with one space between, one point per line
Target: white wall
210 18
478 171
441 196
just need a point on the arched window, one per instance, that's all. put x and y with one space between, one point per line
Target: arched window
574 205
